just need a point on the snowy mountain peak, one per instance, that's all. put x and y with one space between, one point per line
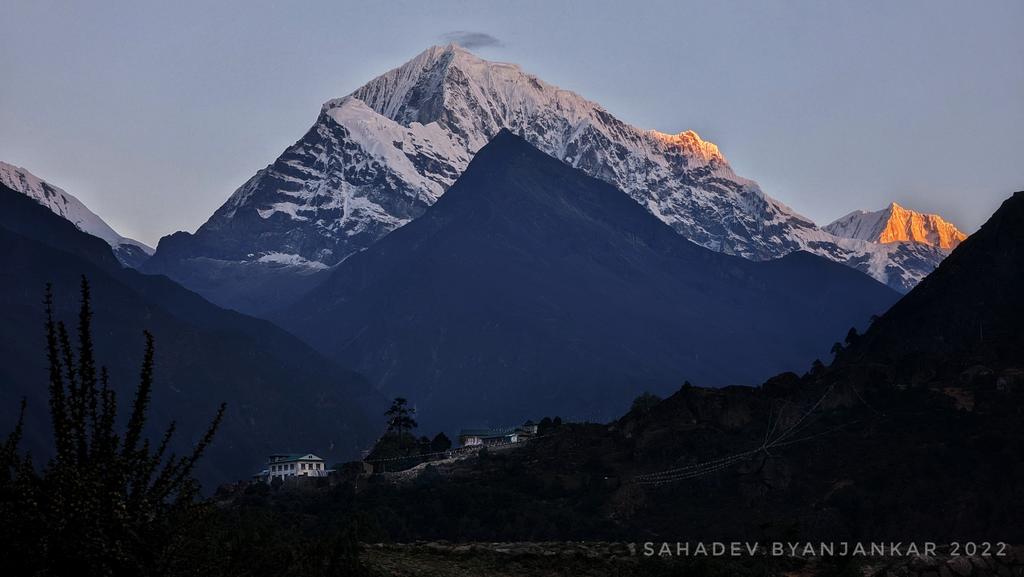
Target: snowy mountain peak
473 99
404 92
377 158
895 223
692 143
130 252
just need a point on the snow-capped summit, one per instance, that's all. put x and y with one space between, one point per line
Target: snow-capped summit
130 252
378 157
895 223
693 144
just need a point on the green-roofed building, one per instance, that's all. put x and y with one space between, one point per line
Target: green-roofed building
476 437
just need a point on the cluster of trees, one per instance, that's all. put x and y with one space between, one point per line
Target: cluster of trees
400 440
851 337
548 425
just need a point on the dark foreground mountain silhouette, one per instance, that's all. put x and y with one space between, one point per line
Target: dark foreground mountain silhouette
914 434
530 287
281 394
968 312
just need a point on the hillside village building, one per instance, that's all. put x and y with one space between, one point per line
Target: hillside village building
476 437
283 465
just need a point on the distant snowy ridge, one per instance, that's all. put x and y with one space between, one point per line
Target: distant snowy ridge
377 158
130 252
898 224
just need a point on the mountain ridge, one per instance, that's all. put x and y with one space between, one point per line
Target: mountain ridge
531 286
376 159
130 252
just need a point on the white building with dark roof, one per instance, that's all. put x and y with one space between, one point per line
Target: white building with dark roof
283 465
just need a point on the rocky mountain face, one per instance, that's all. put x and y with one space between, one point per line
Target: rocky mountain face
282 396
377 158
130 252
530 286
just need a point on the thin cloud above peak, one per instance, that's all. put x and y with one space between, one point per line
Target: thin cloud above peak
471 40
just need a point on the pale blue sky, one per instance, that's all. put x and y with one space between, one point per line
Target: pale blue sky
154 112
